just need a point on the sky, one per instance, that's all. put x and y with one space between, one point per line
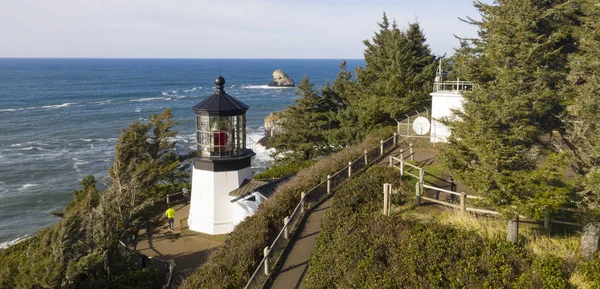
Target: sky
219 28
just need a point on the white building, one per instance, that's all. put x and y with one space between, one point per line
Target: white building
445 97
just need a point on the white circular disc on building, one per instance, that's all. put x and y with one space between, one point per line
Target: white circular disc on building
421 125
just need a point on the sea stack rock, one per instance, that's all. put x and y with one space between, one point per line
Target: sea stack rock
272 127
281 79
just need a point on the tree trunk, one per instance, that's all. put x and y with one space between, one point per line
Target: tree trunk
513 230
589 240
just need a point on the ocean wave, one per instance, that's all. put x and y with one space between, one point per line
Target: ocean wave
150 99
58 105
27 186
38 107
7 244
102 102
190 90
264 86
26 144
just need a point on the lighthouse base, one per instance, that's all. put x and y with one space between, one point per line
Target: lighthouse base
211 210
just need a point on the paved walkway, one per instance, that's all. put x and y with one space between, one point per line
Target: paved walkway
295 265
187 248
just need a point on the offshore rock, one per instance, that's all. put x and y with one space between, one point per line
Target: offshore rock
281 79
272 127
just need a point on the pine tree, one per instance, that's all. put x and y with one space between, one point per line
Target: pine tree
519 67
303 127
582 129
397 78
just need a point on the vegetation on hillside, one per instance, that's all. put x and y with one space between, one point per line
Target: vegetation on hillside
83 249
397 79
535 70
359 247
233 264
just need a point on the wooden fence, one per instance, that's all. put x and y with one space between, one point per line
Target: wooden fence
399 162
273 252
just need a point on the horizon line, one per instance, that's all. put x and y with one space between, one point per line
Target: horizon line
183 58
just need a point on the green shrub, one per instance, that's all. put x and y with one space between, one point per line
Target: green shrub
233 264
358 247
281 171
590 270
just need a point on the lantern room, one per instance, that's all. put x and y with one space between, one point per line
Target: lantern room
220 124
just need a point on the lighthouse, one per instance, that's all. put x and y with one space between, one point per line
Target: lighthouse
222 163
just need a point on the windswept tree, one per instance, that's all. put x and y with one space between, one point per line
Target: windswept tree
143 163
303 127
498 146
582 123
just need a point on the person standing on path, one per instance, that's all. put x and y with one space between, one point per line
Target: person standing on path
171 218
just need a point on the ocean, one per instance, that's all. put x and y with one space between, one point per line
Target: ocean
60 118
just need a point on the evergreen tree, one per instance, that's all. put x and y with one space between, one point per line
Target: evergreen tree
342 117
303 127
582 129
519 67
397 78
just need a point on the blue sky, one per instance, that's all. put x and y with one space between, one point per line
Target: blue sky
218 29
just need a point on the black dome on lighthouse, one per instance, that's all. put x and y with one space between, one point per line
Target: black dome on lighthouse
220 103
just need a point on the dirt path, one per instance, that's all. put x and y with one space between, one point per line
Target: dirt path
187 248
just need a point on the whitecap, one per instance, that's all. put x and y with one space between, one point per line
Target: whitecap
138 110
173 91
7 244
150 99
264 86
26 186
86 139
102 102
164 93
58 105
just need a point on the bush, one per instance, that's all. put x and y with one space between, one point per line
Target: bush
283 170
358 247
233 264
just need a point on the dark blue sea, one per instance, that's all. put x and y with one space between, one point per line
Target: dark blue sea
60 118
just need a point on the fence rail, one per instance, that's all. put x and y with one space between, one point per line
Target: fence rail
463 197
273 253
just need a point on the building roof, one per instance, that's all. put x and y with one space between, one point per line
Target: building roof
263 187
220 103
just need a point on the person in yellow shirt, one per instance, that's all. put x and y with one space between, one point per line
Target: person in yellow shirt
171 218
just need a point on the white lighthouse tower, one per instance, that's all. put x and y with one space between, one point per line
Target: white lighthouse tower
222 163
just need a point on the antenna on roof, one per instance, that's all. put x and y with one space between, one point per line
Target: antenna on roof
219 61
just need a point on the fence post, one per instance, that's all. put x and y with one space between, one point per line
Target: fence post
402 154
422 176
412 155
168 198
398 126
349 169
366 159
266 252
547 221
402 168
391 161
389 199
328 184
302 195
286 232
395 138
386 193
463 202
381 147
418 196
